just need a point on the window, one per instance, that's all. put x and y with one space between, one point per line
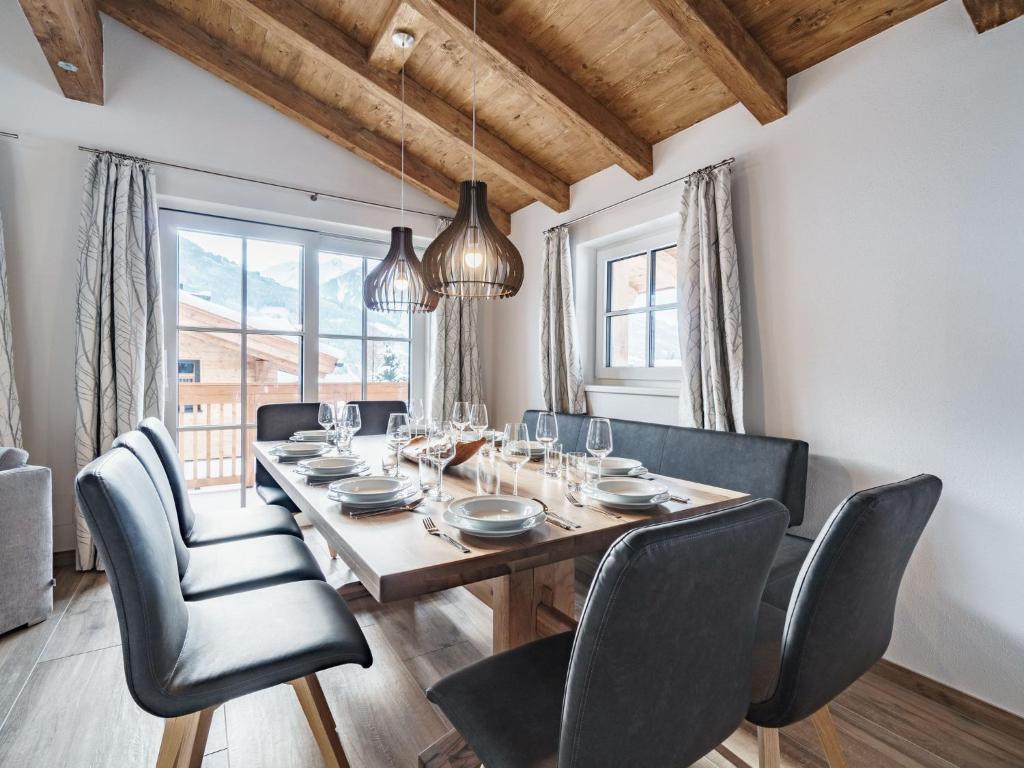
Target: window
637 324
264 314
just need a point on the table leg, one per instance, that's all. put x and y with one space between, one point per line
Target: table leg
515 599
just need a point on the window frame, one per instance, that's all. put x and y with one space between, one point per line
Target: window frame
646 244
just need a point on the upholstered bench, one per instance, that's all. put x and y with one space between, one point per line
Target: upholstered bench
764 467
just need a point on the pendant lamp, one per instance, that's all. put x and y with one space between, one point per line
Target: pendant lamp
397 284
472 258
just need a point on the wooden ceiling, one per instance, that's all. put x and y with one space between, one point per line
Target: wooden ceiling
565 88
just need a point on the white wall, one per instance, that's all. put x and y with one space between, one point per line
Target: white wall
882 243
161 107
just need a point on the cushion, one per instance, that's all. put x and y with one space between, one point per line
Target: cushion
276 496
215 526
236 566
767 652
12 458
788 561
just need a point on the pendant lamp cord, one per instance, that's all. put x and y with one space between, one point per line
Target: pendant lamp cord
474 93
402 129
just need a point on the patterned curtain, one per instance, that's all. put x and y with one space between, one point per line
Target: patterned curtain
119 365
10 415
710 330
561 369
457 374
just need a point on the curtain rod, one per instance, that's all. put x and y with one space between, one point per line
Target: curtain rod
7 135
727 161
313 194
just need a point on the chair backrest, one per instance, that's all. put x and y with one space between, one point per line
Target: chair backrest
764 467
840 616
124 514
146 454
374 414
157 434
661 665
279 421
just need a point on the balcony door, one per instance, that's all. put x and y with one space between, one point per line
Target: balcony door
258 314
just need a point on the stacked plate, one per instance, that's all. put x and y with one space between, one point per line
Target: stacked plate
361 495
495 517
627 493
536 450
617 466
309 436
299 451
321 471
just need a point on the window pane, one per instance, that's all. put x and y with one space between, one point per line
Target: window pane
211 457
666 337
341 294
388 372
274 289
209 378
665 276
627 281
340 369
387 324
209 280
627 340
274 371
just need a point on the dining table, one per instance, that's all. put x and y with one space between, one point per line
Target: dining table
528 580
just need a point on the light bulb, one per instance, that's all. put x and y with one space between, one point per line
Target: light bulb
401 278
473 255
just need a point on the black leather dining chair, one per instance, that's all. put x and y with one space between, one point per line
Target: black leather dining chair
216 569
840 616
184 659
657 672
212 526
374 414
279 421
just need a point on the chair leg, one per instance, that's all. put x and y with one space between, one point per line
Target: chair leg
332 552
829 738
176 731
450 751
192 750
768 754
321 721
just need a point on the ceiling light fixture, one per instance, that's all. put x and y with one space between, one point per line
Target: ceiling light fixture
67 66
472 258
397 283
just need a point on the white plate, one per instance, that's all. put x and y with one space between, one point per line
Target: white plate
299 449
337 474
633 506
407 496
616 465
285 456
496 512
472 528
309 435
625 489
332 465
373 488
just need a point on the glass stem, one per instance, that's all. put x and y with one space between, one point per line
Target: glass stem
515 481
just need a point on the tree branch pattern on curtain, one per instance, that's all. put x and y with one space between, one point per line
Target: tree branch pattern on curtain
710 323
457 374
10 413
560 364
119 354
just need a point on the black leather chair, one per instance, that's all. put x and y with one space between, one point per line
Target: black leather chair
656 673
217 569
374 414
212 526
182 660
279 421
840 615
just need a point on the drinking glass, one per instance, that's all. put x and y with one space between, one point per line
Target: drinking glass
326 418
442 450
478 418
349 422
599 441
515 450
429 471
553 459
460 416
575 470
416 412
488 473
547 432
397 436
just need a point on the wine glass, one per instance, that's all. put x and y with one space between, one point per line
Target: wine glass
349 422
325 416
599 441
441 446
460 416
478 418
397 436
547 432
515 450
416 410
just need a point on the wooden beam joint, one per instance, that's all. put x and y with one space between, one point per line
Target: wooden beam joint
71 36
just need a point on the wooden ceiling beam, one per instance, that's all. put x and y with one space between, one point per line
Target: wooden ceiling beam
71 36
989 14
727 49
528 69
334 49
382 52
177 35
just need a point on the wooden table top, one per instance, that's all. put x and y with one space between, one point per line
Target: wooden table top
394 557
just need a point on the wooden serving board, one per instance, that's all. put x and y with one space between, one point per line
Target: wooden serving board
463 451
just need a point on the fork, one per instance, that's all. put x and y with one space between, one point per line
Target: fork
577 503
432 529
561 522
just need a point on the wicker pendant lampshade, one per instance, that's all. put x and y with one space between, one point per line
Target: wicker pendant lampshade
397 284
472 258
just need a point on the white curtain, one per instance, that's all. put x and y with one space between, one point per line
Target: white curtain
710 328
457 373
561 368
119 365
10 415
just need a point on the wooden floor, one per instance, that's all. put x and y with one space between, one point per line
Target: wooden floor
64 704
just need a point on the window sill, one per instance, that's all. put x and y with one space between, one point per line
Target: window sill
618 389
